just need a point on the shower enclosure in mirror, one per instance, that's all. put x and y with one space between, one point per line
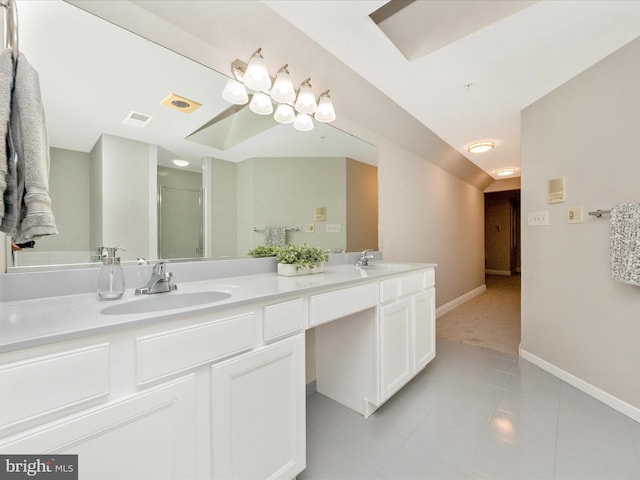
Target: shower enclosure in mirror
114 136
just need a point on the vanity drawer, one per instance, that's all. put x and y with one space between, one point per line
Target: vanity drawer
49 383
429 278
169 352
411 283
331 305
282 319
388 290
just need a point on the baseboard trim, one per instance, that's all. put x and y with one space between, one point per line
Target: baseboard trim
311 387
606 398
447 307
504 273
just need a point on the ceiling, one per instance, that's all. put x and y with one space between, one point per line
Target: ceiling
468 75
460 70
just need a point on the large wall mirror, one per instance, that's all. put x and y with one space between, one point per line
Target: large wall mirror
113 142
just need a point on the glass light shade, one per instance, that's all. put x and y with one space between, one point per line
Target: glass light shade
325 112
303 122
257 76
285 114
306 101
180 163
283 90
481 147
504 172
235 92
261 104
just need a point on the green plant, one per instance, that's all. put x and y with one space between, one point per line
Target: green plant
301 255
264 251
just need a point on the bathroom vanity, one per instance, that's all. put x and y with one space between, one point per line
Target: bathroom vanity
207 389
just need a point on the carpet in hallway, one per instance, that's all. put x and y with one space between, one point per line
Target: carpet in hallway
490 320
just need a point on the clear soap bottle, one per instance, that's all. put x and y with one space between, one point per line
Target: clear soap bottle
111 278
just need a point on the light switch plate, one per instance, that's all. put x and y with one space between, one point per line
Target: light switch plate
538 219
333 228
575 214
309 227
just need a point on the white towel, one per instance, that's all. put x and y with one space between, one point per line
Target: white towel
31 145
275 235
6 172
624 247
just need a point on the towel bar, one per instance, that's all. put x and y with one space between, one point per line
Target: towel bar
598 213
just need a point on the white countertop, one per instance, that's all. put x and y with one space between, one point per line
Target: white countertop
28 323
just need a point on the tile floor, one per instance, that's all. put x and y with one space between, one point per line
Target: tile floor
474 414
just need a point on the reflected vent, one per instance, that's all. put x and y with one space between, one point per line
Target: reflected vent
136 119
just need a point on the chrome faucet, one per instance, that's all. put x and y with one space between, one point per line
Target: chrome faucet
365 256
159 282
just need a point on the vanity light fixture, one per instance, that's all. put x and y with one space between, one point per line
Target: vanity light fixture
256 77
283 90
180 163
325 112
303 122
481 147
235 92
504 172
298 108
285 114
261 104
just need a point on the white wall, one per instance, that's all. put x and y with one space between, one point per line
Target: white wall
573 315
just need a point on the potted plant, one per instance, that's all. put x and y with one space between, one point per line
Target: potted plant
295 259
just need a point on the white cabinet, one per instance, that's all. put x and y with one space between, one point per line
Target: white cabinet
258 413
396 362
424 325
148 435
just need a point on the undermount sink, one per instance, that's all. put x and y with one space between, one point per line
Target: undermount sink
165 301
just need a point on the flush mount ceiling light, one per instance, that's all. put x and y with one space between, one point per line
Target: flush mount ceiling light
504 172
291 104
481 147
180 163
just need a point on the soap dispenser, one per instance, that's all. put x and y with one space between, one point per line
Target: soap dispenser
111 278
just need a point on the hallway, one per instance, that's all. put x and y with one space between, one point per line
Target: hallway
490 320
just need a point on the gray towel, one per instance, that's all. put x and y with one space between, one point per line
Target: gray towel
6 82
31 145
624 247
275 235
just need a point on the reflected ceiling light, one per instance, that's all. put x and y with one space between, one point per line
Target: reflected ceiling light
255 76
503 172
303 122
180 163
325 112
306 101
261 104
283 90
235 92
481 147
285 114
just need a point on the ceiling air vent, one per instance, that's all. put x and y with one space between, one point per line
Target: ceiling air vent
135 119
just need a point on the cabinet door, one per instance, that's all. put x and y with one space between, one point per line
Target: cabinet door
258 413
151 435
424 328
395 347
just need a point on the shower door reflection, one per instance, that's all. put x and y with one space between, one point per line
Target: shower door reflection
179 222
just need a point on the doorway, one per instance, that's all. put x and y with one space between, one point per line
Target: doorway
179 222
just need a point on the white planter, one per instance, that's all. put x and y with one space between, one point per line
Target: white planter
289 270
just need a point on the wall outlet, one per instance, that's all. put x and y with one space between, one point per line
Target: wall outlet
333 228
538 219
